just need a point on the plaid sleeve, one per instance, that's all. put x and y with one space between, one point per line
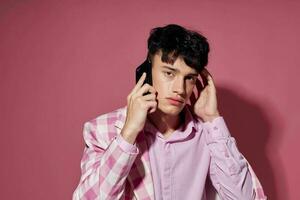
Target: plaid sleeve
126 146
104 165
258 190
229 169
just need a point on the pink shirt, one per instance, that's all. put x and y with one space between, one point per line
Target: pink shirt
181 163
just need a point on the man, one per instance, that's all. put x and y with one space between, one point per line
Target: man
167 143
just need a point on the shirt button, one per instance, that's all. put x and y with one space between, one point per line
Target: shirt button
215 128
167 145
226 154
233 169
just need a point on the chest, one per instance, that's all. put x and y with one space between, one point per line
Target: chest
179 155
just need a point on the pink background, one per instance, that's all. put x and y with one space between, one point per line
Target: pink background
65 62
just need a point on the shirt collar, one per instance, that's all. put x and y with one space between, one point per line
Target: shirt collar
186 128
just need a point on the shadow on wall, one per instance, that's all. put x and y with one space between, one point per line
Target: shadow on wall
254 131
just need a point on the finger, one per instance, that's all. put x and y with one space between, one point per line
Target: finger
139 83
152 110
209 78
152 106
211 83
149 97
204 75
199 86
144 89
152 90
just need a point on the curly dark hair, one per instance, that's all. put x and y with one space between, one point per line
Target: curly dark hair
176 41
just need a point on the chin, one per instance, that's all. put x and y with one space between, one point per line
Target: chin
171 110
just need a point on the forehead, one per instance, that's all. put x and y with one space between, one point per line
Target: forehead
179 64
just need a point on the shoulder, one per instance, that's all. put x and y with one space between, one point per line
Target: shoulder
109 117
102 128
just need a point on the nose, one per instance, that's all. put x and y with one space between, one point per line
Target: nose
179 86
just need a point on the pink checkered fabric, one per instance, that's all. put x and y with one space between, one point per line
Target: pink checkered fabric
108 172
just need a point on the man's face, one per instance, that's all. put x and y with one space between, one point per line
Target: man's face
175 81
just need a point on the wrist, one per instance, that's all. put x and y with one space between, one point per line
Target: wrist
128 135
210 118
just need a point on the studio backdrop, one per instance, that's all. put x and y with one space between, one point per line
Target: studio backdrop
63 63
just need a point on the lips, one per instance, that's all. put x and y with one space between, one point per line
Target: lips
176 99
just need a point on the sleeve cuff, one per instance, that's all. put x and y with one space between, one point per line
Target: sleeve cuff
216 130
126 146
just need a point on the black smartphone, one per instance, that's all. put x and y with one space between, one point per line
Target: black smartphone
144 67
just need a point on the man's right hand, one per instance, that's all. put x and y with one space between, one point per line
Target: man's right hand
138 106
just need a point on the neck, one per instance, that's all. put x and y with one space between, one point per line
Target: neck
166 124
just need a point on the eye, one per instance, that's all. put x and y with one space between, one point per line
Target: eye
169 74
191 78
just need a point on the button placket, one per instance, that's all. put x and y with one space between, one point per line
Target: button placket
167 172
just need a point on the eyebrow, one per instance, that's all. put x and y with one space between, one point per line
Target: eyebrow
176 70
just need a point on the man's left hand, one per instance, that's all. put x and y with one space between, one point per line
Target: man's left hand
205 106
